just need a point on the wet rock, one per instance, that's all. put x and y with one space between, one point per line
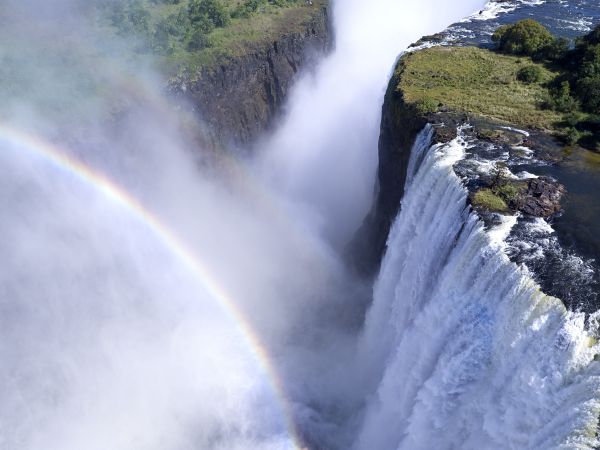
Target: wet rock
436 38
498 136
542 198
444 134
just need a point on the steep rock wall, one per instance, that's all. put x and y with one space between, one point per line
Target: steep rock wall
400 124
239 97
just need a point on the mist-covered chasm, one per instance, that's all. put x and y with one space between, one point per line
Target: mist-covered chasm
152 297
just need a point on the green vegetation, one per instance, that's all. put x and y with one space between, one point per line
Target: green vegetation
585 79
502 194
477 81
187 34
526 37
530 74
533 80
486 199
576 91
509 192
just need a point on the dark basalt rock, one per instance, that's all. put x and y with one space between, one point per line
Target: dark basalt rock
433 38
400 124
542 198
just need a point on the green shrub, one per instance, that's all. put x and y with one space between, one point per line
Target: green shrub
571 136
557 50
198 41
486 199
129 16
508 192
586 79
248 7
588 90
593 37
171 29
526 37
572 119
530 74
208 14
560 98
498 35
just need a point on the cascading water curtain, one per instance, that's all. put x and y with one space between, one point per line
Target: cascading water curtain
465 351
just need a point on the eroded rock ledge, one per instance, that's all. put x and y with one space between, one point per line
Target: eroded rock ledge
239 97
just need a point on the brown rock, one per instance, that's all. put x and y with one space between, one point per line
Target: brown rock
542 198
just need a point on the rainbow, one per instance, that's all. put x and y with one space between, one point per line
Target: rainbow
106 187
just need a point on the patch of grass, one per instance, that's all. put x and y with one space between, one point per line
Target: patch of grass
427 105
486 199
508 192
477 81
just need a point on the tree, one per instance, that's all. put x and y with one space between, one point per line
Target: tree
526 37
128 16
593 37
590 66
198 41
588 90
203 12
587 76
138 16
170 29
557 50
561 99
248 7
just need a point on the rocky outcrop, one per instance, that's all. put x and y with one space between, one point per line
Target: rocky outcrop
239 97
542 197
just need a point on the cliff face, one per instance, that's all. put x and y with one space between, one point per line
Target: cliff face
400 124
239 97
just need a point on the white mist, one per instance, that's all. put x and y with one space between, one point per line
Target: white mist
324 154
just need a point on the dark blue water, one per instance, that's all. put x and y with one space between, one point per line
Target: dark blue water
564 18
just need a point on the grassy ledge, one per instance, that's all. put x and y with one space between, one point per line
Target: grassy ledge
531 79
486 199
471 80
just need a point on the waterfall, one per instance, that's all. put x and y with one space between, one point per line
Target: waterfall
464 351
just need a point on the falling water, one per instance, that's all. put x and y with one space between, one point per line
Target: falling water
109 341
464 351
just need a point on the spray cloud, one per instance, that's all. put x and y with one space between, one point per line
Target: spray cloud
107 338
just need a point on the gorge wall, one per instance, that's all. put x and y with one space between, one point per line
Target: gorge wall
400 125
239 97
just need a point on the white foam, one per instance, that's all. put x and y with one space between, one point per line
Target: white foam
493 9
582 25
524 175
516 130
462 349
525 151
490 11
500 232
539 225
